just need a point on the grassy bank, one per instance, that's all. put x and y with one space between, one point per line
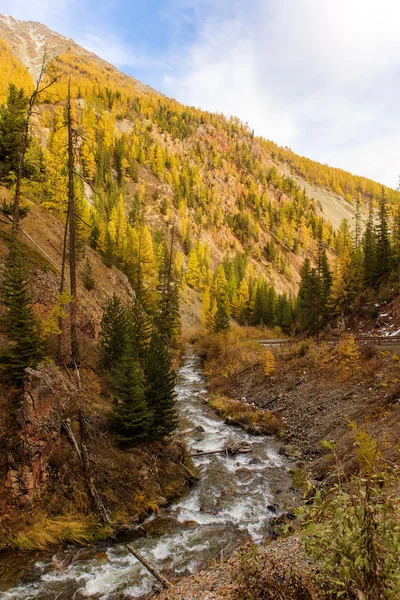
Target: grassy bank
247 416
227 358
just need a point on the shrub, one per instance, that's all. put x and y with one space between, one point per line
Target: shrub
348 351
269 363
354 531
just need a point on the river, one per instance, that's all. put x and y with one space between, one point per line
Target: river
234 501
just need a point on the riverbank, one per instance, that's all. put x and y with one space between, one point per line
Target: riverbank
48 499
315 392
318 392
235 500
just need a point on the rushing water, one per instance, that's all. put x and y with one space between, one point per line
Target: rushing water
235 500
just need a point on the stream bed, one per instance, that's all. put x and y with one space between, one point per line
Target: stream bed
234 501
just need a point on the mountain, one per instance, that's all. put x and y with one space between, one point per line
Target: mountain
240 214
227 192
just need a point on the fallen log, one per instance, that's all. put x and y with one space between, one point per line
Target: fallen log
164 582
192 476
223 451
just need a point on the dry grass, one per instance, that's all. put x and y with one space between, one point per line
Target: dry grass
247 416
71 528
226 357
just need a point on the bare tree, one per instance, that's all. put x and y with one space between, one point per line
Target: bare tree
39 89
72 234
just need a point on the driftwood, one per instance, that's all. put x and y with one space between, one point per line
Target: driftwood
192 476
164 582
227 449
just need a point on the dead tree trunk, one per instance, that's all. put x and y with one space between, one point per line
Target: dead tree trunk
24 144
62 279
72 236
164 582
88 473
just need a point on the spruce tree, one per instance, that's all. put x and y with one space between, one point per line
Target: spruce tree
113 334
132 416
12 127
309 298
168 318
88 276
383 247
160 392
140 328
326 284
19 321
369 248
221 320
358 223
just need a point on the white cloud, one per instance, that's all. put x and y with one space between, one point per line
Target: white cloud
321 77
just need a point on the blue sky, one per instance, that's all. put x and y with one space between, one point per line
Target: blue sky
322 77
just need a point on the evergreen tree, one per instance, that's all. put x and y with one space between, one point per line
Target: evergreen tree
284 313
88 275
356 276
168 318
140 328
369 249
326 284
12 127
132 417
383 247
160 392
221 320
20 324
113 333
396 239
358 224
309 298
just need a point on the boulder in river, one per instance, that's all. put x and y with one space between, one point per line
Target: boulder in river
210 509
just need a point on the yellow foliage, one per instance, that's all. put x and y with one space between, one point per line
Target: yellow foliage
247 415
12 71
269 363
50 325
348 351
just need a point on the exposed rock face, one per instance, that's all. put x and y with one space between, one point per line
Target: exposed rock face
45 396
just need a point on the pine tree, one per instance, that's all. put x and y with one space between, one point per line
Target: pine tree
369 248
326 284
88 275
140 328
383 247
168 318
309 298
113 334
358 224
19 321
132 417
12 127
160 392
221 319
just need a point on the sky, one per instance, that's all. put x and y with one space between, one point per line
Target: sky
319 76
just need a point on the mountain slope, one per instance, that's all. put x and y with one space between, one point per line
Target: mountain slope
226 192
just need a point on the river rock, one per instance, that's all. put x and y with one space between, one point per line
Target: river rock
255 461
199 428
210 509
